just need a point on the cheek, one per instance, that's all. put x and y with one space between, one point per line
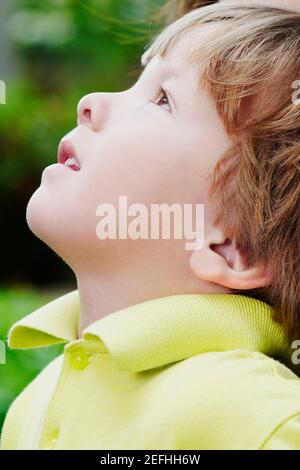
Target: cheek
150 168
139 167
150 159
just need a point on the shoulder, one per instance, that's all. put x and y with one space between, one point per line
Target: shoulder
286 436
233 400
28 398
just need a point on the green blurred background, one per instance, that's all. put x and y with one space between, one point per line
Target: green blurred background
52 52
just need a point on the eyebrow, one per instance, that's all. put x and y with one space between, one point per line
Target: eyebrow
168 70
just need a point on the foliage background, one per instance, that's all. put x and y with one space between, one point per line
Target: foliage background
51 54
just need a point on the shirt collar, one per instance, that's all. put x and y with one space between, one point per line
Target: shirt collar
159 331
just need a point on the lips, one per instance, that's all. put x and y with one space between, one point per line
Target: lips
67 156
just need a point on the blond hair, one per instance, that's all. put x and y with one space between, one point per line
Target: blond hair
249 64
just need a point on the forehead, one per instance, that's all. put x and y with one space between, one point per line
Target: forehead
182 57
172 67
165 67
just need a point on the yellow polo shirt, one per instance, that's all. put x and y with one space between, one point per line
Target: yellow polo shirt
179 372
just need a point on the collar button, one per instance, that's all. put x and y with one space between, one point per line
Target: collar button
52 440
80 359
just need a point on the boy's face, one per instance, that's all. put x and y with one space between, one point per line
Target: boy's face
138 143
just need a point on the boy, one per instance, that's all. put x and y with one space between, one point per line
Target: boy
167 348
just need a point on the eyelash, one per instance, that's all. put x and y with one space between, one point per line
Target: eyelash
162 93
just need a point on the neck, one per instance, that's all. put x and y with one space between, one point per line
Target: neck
105 291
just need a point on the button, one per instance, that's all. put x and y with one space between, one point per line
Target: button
52 440
80 359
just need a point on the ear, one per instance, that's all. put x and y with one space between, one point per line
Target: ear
220 262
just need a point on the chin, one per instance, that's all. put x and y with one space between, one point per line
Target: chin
41 220
47 221
38 215
32 212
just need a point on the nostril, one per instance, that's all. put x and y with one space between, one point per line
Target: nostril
87 114
91 112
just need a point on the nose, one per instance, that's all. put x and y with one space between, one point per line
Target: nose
92 111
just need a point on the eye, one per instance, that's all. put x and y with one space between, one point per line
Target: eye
163 95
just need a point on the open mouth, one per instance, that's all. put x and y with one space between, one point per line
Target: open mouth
72 163
66 155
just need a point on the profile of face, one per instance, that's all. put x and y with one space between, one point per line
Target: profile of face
156 142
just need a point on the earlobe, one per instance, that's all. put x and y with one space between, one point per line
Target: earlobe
221 263
251 278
